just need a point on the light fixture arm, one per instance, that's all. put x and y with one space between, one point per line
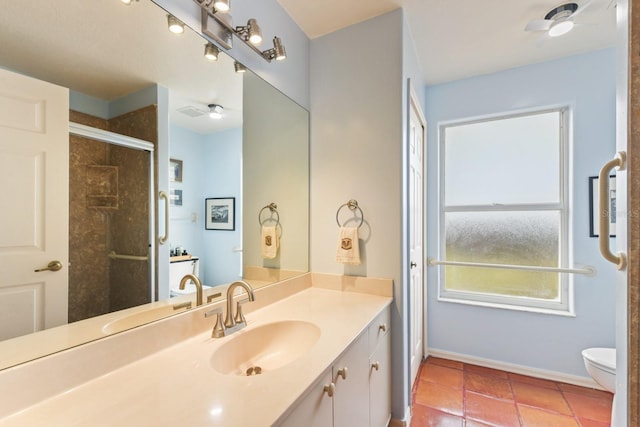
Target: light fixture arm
241 32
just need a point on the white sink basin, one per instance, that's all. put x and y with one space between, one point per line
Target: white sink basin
265 348
139 318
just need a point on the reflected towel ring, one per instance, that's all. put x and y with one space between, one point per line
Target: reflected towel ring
352 205
274 209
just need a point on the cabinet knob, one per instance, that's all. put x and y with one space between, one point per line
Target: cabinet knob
376 365
342 373
383 327
329 389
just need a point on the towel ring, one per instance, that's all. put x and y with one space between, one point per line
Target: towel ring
352 205
274 209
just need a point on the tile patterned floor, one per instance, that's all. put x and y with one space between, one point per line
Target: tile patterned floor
455 394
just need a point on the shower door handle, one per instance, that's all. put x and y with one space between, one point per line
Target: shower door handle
164 239
619 258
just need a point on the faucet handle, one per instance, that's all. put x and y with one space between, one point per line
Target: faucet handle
218 329
239 318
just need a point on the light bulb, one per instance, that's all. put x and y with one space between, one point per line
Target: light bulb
175 26
222 6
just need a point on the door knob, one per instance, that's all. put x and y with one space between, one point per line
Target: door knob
52 266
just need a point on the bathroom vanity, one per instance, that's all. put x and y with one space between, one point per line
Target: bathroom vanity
316 350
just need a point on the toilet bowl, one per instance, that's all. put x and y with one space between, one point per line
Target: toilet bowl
177 270
601 365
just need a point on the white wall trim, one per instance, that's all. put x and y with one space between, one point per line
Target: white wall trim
517 369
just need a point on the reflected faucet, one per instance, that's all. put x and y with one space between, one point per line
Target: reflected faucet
233 323
198 284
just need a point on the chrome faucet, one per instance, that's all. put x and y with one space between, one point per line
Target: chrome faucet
198 284
232 323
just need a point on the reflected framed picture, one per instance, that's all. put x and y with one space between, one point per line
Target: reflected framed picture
175 197
219 213
594 206
175 170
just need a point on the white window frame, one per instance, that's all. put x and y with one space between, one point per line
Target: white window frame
563 306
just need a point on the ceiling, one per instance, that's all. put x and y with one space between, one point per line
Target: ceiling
464 38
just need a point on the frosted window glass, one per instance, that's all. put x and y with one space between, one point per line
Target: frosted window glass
507 161
517 238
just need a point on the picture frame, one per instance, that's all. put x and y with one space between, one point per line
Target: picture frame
175 197
594 201
175 170
219 213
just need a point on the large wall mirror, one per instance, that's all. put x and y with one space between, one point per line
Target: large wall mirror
230 179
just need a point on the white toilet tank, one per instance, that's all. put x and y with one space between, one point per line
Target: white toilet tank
179 269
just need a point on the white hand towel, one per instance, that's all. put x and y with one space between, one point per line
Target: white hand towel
348 247
270 242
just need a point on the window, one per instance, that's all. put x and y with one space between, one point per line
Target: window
503 201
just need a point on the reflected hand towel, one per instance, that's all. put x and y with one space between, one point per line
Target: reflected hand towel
270 242
348 246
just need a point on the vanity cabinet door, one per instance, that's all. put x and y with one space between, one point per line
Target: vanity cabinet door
351 399
380 383
315 409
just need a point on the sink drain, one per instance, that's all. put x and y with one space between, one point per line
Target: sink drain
254 370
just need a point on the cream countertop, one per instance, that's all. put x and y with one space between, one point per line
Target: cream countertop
177 386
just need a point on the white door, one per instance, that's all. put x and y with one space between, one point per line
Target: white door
34 149
416 236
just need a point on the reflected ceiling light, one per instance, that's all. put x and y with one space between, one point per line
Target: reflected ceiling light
278 52
560 27
250 32
239 67
222 5
215 111
211 52
175 25
128 2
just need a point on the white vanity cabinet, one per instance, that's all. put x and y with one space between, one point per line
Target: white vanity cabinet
356 390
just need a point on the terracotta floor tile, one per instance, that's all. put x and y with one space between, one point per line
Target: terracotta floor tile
445 362
490 410
485 371
569 388
540 397
423 416
535 381
488 385
533 417
590 423
592 408
441 375
441 397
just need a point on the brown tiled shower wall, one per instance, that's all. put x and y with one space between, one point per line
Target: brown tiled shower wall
97 284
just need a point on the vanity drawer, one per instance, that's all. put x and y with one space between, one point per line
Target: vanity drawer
379 328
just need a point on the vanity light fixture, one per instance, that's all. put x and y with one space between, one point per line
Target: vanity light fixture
215 111
213 6
250 32
277 52
175 25
239 67
211 52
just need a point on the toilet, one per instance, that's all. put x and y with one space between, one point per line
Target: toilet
179 269
601 365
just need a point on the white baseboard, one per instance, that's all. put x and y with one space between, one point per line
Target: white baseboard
406 422
516 369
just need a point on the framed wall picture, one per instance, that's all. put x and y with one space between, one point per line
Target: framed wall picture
220 213
594 203
175 170
175 197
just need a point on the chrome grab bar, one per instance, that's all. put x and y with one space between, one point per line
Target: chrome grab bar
164 239
114 255
619 258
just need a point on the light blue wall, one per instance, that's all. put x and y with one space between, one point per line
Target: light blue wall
212 166
587 84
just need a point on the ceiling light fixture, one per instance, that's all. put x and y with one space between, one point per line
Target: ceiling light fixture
215 111
175 25
128 2
559 20
277 52
211 52
560 27
250 32
239 67
219 28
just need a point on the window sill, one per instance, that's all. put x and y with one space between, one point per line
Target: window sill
564 313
